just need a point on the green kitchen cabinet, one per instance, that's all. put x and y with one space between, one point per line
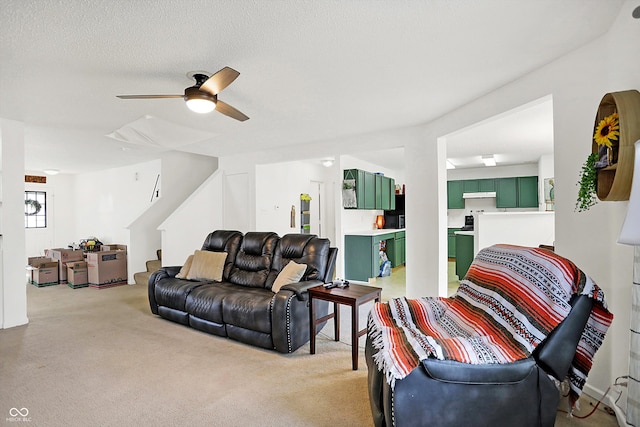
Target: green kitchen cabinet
387 191
362 258
451 242
362 254
454 194
373 191
517 192
470 186
528 192
396 248
506 192
485 185
464 254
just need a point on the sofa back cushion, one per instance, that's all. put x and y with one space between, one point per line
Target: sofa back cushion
253 261
228 241
306 249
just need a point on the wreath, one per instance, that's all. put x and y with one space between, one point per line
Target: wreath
32 207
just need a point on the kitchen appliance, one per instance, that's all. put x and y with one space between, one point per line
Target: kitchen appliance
468 223
393 220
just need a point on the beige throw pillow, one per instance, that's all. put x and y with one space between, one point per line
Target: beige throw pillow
185 268
207 265
291 273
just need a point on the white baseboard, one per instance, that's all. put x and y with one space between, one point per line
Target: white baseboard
609 400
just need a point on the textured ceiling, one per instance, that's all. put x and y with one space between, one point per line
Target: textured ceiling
310 70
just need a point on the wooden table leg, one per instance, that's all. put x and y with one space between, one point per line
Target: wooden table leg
336 321
312 326
355 334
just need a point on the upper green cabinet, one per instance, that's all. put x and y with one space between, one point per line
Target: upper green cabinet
520 192
471 185
373 191
514 192
506 193
528 192
486 185
454 194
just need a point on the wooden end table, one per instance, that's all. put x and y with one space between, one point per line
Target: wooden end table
353 295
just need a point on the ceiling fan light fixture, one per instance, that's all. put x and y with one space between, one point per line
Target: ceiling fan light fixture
202 106
199 101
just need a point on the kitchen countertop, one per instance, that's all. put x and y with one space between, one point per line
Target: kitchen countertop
376 232
465 233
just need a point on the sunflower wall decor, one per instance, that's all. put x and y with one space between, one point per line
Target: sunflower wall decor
605 135
615 130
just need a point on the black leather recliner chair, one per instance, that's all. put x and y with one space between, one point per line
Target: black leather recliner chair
450 393
527 305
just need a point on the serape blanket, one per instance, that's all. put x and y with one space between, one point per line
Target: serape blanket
511 298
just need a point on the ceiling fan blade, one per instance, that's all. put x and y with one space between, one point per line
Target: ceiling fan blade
148 96
219 80
228 110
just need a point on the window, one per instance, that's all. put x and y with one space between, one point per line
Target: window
35 209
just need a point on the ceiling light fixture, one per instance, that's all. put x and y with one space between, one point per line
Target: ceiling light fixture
488 160
450 165
327 163
199 101
51 171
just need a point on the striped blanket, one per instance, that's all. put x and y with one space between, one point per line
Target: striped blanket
511 298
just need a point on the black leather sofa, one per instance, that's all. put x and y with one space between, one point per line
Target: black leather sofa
242 306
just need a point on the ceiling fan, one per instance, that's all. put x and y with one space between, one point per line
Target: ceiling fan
203 96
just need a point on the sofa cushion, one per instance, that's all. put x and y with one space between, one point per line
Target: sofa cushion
172 292
253 261
305 249
182 274
207 265
249 308
291 273
228 241
205 302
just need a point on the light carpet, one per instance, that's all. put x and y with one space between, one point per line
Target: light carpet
92 357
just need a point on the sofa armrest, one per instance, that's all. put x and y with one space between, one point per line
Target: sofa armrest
300 288
157 275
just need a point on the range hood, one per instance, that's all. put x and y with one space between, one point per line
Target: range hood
480 195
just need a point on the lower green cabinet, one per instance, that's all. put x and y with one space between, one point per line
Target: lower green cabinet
451 242
464 254
362 254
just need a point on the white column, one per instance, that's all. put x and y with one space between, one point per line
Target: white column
13 292
633 397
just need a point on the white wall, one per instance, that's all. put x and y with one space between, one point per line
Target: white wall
278 188
13 293
106 202
182 173
181 234
518 228
61 216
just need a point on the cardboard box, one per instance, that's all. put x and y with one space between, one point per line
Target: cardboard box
113 247
44 271
77 274
63 256
107 268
